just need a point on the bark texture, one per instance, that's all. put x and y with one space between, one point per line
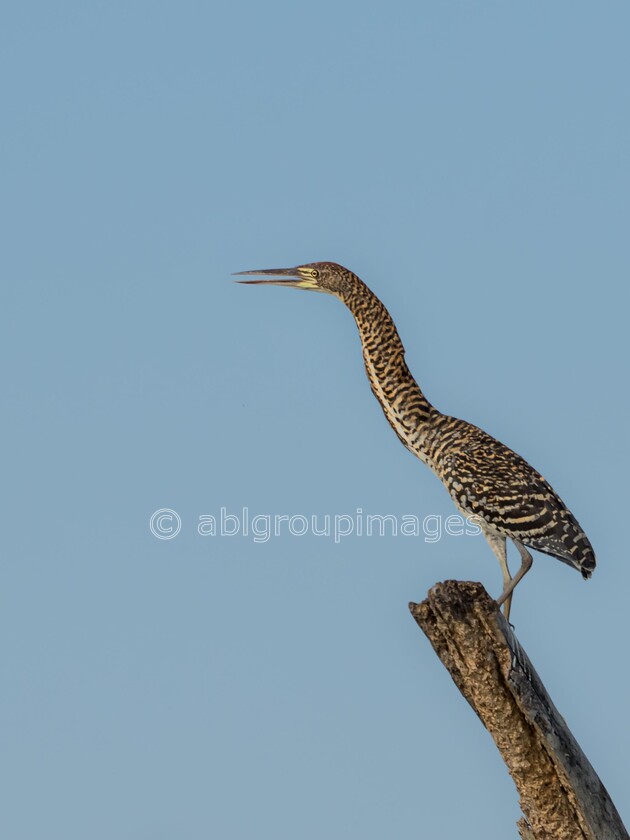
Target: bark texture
561 796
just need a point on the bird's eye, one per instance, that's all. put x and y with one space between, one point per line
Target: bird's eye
314 273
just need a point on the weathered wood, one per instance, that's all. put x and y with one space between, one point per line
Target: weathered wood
561 796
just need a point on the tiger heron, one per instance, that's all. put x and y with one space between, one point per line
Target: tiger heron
485 479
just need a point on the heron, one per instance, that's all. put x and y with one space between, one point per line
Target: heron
486 480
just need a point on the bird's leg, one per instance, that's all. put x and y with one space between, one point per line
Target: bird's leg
526 564
497 544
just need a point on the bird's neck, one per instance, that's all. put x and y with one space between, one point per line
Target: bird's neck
405 406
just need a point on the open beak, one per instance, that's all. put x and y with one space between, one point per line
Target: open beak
291 275
284 277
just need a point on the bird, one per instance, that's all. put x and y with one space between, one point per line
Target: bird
488 482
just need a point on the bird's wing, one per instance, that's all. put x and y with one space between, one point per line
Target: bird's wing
489 480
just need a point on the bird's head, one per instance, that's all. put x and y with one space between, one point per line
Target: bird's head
317 277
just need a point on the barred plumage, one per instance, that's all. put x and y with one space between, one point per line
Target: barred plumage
484 477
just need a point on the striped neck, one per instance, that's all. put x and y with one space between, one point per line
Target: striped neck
405 406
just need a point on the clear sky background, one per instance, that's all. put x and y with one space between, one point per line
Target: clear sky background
470 162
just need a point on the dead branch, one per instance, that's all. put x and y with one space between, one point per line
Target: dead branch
561 796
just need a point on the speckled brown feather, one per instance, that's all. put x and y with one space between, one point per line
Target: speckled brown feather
483 476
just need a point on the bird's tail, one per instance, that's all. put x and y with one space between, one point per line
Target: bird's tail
587 562
570 544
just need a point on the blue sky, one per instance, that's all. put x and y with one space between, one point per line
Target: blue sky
470 163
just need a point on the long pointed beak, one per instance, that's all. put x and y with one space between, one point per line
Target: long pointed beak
291 274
